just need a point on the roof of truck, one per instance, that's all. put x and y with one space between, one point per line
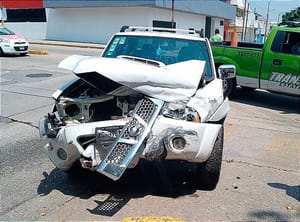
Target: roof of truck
286 28
290 24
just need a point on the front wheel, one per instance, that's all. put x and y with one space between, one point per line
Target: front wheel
209 171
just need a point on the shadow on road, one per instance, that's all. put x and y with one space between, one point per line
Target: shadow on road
265 215
169 179
283 103
292 191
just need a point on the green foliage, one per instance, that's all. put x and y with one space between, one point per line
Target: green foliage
293 15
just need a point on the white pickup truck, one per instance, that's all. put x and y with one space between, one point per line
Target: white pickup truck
152 94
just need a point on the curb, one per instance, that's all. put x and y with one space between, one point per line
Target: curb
75 44
38 52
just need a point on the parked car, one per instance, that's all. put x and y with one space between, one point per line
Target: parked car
153 94
273 66
11 43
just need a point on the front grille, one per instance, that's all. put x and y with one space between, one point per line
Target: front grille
126 146
20 43
21 48
125 134
146 109
119 153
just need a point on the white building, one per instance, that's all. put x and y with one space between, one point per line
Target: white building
96 20
247 23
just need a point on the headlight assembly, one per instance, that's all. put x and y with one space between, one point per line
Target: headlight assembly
181 112
5 40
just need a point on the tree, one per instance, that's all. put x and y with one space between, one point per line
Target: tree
293 15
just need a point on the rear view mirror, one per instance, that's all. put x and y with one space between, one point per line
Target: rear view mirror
226 71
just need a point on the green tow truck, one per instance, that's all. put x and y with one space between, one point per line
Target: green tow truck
273 66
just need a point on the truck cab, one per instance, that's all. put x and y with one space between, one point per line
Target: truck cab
274 66
280 68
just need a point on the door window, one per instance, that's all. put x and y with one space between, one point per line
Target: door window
287 43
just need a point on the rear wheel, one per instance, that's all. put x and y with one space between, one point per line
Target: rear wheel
1 52
209 171
24 54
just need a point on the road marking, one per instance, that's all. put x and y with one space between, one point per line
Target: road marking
38 52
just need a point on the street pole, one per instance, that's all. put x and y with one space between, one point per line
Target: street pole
244 20
265 35
281 13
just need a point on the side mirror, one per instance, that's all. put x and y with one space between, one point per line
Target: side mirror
226 71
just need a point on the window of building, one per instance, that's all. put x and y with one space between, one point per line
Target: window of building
163 24
26 15
239 12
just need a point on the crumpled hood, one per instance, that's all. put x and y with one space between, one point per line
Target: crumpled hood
169 82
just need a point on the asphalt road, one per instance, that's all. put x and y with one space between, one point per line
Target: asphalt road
260 179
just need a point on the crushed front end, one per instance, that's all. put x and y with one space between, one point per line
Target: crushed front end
109 127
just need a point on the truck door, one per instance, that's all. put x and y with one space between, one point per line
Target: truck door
285 63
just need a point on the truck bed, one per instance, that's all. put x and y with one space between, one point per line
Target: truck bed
248 45
246 59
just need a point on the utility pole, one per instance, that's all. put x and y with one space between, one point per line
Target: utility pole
278 18
244 20
265 35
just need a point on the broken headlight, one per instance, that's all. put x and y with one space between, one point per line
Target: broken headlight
180 112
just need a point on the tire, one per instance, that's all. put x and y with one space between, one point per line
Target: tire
209 171
1 53
229 87
24 54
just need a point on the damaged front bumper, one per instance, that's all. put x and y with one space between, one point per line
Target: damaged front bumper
112 146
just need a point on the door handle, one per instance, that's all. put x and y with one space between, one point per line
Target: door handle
277 62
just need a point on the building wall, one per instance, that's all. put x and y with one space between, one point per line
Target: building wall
98 24
30 30
212 8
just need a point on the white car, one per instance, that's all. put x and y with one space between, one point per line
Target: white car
11 43
153 94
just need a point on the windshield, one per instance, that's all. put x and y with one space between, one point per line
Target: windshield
162 49
5 31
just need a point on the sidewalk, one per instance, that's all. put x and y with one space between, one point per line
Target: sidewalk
68 44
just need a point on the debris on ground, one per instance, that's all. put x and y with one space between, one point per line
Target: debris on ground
235 185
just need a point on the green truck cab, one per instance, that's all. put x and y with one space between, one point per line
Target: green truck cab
274 66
